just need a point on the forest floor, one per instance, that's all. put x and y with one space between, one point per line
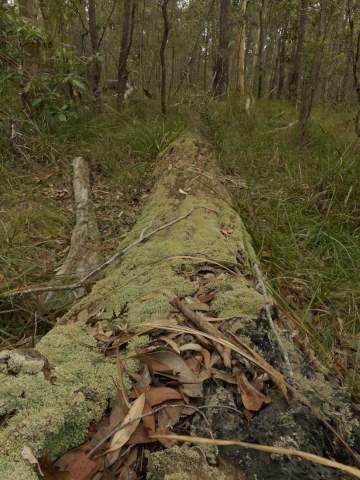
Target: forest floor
300 205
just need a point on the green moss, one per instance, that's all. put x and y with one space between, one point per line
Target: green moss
241 300
54 417
180 463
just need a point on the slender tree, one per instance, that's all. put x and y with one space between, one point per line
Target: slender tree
222 59
261 46
126 42
354 47
165 37
299 51
240 85
96 66
310 83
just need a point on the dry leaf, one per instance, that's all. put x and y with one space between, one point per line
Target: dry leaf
191 346
78 464
224 376
170 362
207 358
140 436
123 435
28 455
51 472
206 297
168 417
171 343
193 390
149 421
157 395
126 471
165 442
252 399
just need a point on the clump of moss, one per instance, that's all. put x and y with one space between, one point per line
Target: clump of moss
180 463
54 417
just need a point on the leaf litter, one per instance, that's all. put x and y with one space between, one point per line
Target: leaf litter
167 390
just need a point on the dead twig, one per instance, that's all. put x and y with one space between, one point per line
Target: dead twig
142 238
260 280
310 457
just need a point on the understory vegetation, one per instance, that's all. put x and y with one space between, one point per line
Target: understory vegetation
36 210
301 206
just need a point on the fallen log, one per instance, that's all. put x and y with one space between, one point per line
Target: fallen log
84 253
50 395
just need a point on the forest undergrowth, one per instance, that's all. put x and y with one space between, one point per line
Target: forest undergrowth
36 207
301 206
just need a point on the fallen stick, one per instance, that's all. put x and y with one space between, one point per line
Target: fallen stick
84 253
310 457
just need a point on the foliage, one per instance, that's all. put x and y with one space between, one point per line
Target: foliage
48 91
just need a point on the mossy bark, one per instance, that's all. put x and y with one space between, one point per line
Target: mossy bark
54 416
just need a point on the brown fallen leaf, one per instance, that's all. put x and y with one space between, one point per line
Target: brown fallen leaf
78 464
252 399
157 395
195 347
206 297
168 417
193 390
224 376
28 455
206 358
126 471
169 362
140 436
171 343
165 442
122 436
149 421
52 472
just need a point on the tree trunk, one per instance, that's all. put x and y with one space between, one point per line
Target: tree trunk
126 42
282 63
310 83
96 66
222 60
32 53
299 52
164 42
240 87
262 36
51 395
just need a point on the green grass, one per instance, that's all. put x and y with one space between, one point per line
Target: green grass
302 208
36 210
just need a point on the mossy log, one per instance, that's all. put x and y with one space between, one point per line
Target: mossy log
48 404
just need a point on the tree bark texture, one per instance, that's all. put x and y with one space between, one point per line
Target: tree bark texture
299 52
222 58
126 42
240 87
96 67
165 38
84 253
